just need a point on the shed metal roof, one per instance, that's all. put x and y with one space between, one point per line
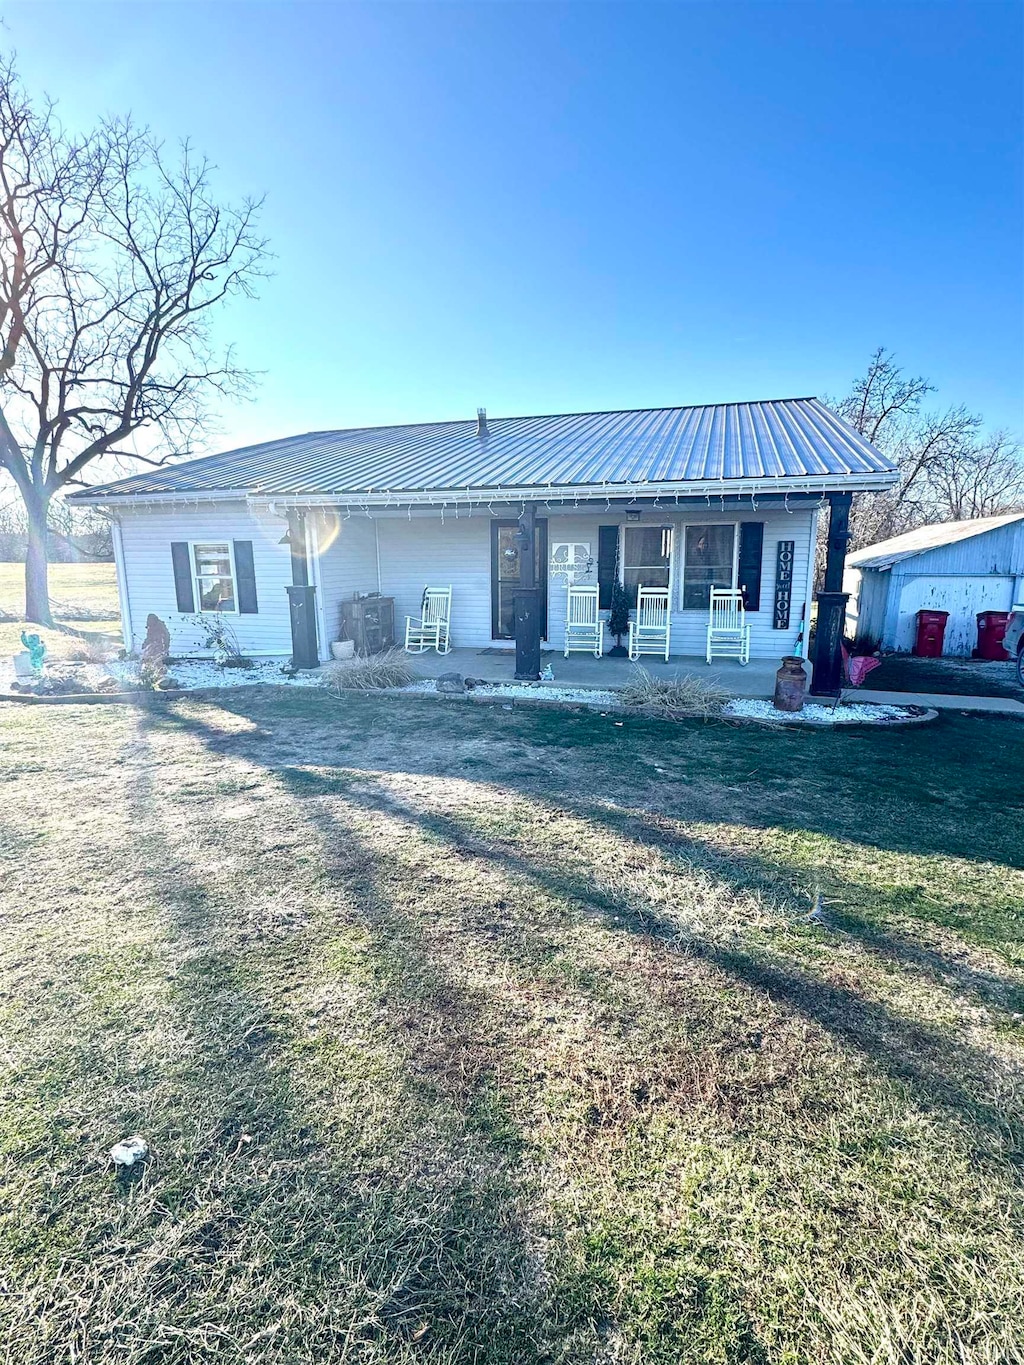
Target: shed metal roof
784 444
911 543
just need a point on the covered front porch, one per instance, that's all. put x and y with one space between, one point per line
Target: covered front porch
493 558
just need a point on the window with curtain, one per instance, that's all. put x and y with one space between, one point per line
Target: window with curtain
646 553
708 557
215 579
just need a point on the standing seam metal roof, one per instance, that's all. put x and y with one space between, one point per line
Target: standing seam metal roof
782 439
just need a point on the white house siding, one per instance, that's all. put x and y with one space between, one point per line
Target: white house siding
146 537
347 564
399 556
421 550
581 528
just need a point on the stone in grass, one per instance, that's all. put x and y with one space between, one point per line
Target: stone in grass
128 1151
451 683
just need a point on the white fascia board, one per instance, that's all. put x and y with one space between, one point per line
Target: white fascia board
134 499
435 497
816 486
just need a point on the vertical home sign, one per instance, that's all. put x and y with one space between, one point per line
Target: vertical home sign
783 583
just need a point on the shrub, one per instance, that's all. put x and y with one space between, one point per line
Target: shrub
218 636
685 696
366 672
618 615
91 652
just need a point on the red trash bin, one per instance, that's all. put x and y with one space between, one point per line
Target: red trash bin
931 631
991 629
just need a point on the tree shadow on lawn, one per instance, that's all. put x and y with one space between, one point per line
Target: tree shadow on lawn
775 880
401 1235
952 788
932 1065
653 821
927 1068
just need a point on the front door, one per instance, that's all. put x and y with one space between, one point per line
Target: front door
506 576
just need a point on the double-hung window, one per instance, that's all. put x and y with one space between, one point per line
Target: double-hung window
214 573
709 561
646 558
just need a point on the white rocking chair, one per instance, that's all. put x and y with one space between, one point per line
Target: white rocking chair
728 632
584 629
649 630
430 630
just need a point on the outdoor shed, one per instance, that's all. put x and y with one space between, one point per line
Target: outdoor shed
961 567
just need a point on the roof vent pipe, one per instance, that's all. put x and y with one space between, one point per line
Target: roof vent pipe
481 423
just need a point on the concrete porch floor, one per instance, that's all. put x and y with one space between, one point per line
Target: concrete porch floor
757 679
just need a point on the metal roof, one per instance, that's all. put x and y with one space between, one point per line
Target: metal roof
785 444
889 552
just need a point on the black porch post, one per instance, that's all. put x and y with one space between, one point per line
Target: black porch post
526 599
827 675
301 596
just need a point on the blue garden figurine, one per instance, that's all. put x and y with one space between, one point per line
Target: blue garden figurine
36 650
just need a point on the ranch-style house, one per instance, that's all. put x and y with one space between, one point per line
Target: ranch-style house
283 537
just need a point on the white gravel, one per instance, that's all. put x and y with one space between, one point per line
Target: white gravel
849 713
521 691
194 673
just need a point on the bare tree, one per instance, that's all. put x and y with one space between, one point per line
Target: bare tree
949 469
989 482
113 258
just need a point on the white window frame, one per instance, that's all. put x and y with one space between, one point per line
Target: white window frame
686 525
625 526
211 540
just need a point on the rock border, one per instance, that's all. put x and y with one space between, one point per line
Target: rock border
103 698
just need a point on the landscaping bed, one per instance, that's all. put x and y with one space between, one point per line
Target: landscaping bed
820 714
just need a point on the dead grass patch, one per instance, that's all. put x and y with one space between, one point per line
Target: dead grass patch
680 696
370 672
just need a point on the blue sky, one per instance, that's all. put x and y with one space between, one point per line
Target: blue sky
546 207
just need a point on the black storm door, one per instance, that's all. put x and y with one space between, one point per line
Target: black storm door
506 576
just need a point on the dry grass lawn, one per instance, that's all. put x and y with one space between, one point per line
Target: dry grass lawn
469 1035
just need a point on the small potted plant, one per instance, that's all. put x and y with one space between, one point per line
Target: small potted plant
618 620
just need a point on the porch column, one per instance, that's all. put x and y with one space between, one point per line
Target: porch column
827 674
526 599
301 596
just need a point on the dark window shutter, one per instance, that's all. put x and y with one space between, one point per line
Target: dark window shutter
607 563
751 550
182 576
245 572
